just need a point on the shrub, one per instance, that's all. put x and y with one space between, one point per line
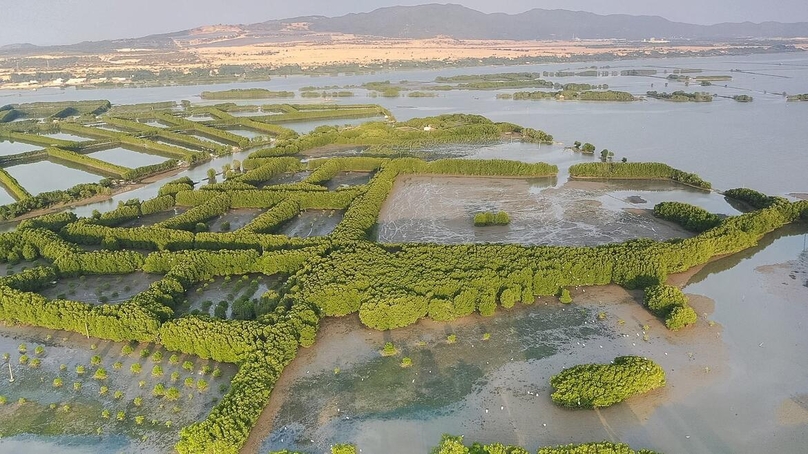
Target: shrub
603 385
389 350
662 299
485 219
680 317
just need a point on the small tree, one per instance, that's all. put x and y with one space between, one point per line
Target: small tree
100 374
389 350
565 296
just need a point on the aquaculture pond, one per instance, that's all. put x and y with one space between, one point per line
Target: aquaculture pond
233 220
34 177
248 133
304 127
286 178
73 394
219 296
312 223
100 289
127 158
8 147
154 218
5 197
441 209
66 136
346 179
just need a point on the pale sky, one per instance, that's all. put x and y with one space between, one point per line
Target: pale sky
46 22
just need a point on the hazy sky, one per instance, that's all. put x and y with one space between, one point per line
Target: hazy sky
69 21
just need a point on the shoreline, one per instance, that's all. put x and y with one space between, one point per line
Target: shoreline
315 59
572 178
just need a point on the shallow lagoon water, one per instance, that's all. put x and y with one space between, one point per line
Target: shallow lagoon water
749 401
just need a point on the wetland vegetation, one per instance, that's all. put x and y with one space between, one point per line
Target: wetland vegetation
603 385
302 272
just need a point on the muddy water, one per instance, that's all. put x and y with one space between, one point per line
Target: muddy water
205 296
734 379
248 133
441 209
98 289
345 179
312 223
236 219
154 218
285 178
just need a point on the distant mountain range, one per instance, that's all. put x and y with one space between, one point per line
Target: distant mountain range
455 21
537 24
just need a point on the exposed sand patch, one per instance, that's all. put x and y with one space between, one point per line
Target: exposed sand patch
794 411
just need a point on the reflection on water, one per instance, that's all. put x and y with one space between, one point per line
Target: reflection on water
9 148
127 158
48 176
